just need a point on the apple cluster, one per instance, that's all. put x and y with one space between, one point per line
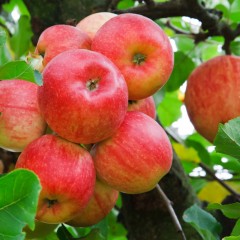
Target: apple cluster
97 106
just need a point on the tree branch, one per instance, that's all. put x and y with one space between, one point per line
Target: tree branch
226 186
212 25
171 211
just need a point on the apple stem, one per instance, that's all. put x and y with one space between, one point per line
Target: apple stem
92 84
139 58
132 102
51 202
173 215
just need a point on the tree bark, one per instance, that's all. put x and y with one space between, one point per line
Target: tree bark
145 215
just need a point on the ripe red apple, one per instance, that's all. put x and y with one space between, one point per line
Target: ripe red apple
59 38
99 206
20 119
136 157
93 22
140 49
212 94
146 105
67 176
83 97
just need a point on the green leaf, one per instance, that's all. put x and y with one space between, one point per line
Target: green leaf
229 210
205 224
231 238
95 234
3 37
17 70
235 47
116 230
19 4
183 66
19 191
21 40
63 233
124 4
201 150
228 138
235 11
169 110
236 229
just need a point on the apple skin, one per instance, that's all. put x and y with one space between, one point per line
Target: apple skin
146 105
59 38
67 176
136 157
143 53
92 23
20 119
88 97
212 94
100 205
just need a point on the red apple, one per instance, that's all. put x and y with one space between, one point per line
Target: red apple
59 38
66 174
99 206
83 97
20 119
146 105
136 157
93 22
140 49
212 94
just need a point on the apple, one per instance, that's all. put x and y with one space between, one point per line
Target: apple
99 206
41 230
83 97
93 22
146 105
20 119
66 173
140 49
206 101
135 157
59 38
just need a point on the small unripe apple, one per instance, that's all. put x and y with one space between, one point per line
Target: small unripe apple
83 97
135 157
59 38
212 94
66 173
20 119
92 23
146 105
99 206
140 49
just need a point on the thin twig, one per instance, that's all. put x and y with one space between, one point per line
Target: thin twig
226 186
171 212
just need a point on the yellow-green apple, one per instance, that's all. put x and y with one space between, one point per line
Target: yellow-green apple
146 105
135 157
59 38
83 97
20 119
41 230
102 202
212 94
66 173
142 52
93 22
